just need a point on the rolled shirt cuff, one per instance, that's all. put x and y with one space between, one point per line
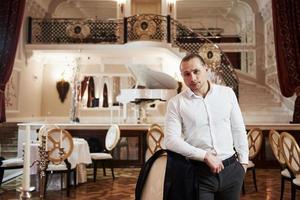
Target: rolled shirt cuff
243 159
199 155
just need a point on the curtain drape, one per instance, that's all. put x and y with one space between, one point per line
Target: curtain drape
88 81
91 92
286 21
83 85
11 17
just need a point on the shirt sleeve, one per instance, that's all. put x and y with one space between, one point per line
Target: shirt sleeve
238 130
173 131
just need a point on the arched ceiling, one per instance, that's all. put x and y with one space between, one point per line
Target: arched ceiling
214 11
103 9
213 8
192 8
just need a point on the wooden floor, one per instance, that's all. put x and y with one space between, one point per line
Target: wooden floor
123 187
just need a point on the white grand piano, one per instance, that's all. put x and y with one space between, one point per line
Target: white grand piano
155 86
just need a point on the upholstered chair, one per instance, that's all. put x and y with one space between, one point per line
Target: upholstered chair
291 154
111 140
255 140
155 140
274 140
154 185
59 145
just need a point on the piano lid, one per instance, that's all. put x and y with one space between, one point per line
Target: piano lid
151 79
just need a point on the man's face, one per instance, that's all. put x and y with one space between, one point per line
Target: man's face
194 74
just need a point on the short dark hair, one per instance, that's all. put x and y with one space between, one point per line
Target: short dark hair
189 57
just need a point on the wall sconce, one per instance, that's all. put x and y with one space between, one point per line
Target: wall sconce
171 4
62 87
122 6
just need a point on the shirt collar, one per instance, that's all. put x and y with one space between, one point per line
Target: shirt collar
191 94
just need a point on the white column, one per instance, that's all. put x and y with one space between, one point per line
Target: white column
164 7
125 112
26 168
121 8
171 8
118 11
174 14
128 8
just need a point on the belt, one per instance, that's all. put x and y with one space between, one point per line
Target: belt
225 162
229 161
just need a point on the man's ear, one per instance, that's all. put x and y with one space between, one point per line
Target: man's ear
206 67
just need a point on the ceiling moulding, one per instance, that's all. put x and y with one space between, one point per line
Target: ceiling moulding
234 47
52 7
266 11
34 9
252 3
86 9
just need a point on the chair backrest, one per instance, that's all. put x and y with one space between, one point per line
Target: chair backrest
59 145
155 138
95 144
156 125
274 140
290 151
112 137
154 185
255 139
44 129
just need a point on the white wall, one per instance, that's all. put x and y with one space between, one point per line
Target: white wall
51 104
30 88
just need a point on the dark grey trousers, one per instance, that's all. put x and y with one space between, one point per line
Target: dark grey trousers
223 186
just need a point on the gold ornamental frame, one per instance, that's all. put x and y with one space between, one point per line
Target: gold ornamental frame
78 30
144 27
211 54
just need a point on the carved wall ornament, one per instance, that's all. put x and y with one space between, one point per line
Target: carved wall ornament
270 55
12 92
144 28
78 30
34 9
211 54
266 11
62 87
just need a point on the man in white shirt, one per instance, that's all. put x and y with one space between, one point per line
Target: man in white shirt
204 123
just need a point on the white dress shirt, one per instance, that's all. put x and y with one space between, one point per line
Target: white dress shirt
195 125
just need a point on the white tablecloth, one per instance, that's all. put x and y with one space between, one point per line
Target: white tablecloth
79 157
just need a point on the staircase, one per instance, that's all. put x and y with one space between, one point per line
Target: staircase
8 140
259 106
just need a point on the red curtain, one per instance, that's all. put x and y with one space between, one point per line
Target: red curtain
286 21
11 17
